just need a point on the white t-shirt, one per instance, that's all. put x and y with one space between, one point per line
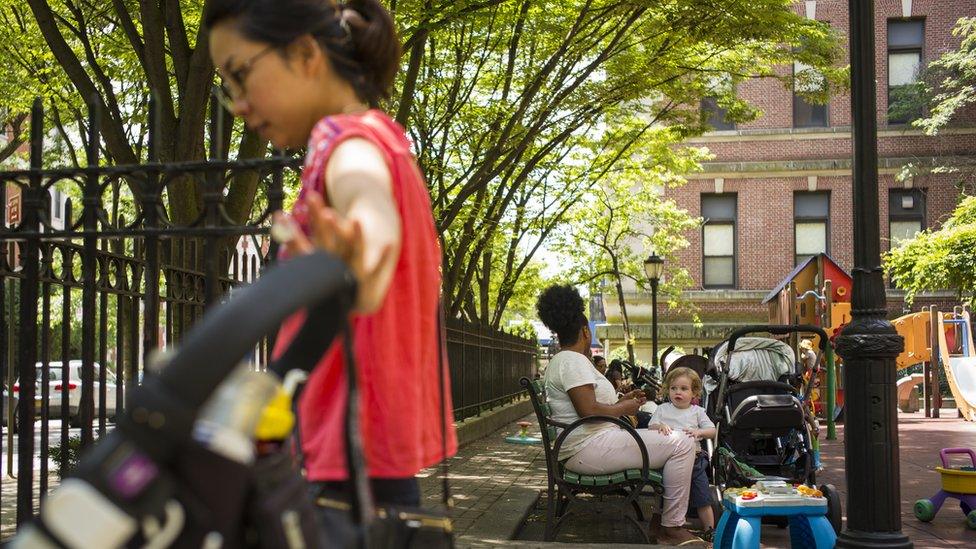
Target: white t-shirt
692 417
568 370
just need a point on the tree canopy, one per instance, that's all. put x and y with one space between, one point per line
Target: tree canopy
939 259
518 108
951 88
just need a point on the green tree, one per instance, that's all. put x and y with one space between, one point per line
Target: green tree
945 90
519 107
951 86
625 215
516 107
939 259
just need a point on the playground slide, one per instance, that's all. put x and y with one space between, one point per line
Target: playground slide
960 370
962 381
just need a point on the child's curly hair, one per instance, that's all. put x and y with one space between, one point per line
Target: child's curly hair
560 308
675 373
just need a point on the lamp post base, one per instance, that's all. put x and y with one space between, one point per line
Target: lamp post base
893 540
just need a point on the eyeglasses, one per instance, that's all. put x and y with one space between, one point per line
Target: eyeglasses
232 84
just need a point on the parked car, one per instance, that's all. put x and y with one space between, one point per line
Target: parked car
9 402
74 390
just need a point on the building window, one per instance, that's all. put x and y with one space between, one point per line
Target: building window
811 220
718 241
807 114
906 40
906 215
714 114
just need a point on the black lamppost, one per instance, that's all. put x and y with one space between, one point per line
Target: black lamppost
869 344
654 269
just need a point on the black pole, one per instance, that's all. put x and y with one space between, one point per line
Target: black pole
152 207
654 361
869 344
91 202
32 203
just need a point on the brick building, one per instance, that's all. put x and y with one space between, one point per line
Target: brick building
779 188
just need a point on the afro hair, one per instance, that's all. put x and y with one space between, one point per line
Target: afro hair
560 308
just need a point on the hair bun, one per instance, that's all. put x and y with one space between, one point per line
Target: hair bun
376 44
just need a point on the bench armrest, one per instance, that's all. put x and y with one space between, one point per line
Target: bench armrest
645 465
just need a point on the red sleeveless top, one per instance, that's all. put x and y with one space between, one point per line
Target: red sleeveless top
396 346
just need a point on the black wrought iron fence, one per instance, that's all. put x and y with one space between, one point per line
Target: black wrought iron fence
92 284
486 366
88 293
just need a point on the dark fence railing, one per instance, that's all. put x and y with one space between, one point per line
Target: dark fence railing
95 276
486 366
88 293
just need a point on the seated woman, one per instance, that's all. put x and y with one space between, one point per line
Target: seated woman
615 373
575 389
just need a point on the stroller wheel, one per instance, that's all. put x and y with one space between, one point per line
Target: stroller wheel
833 506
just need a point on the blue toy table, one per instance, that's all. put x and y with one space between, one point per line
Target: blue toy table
740 526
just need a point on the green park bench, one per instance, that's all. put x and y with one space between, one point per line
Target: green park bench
566 487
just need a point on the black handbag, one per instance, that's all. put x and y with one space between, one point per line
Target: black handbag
355 522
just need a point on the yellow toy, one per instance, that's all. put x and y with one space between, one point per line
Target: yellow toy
956 483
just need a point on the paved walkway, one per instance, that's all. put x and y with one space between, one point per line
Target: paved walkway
497 484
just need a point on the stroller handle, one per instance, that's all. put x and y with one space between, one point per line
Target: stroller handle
777 330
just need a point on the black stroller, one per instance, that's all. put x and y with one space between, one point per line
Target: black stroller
757 404
162 478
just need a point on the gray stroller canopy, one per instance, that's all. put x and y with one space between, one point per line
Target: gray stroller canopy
754 359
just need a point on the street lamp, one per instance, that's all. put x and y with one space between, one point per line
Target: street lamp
654 269
869 343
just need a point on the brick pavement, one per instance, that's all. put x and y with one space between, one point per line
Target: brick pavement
496 484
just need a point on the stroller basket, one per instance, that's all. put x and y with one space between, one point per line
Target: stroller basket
767 405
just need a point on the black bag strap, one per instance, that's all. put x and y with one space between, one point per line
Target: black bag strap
361 499
442 375
362 502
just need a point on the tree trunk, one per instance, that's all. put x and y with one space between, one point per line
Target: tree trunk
623 314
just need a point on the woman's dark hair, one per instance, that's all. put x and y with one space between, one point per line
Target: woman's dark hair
359 36
560 308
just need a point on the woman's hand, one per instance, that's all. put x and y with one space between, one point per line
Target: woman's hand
331 232
631 402
630 406
636 393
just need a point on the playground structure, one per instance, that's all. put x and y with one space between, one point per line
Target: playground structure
945 350
818 293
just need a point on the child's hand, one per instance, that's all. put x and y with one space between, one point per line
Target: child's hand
664 429
693 433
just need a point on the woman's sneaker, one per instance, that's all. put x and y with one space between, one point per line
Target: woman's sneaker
679 537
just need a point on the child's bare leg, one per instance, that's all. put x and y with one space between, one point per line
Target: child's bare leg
707 517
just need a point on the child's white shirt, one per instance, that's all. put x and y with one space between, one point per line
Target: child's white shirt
692 417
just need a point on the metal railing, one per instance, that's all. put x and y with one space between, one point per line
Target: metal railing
486 366
87 297
86 294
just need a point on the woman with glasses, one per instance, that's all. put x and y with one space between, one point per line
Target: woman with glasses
310 73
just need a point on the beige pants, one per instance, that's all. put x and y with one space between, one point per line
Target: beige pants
615 450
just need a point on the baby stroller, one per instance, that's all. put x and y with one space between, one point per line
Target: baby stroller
756 395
